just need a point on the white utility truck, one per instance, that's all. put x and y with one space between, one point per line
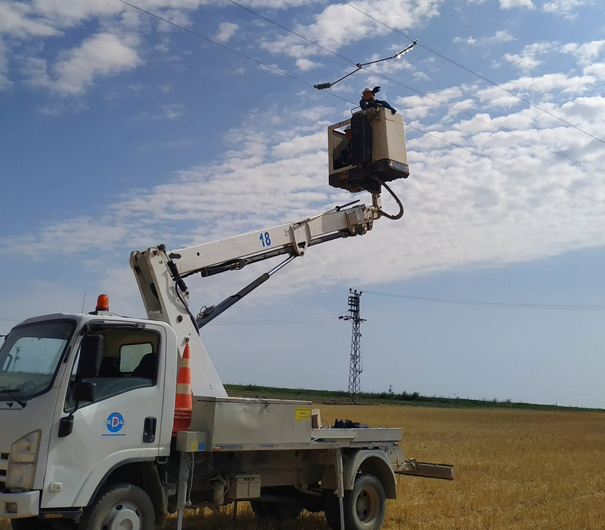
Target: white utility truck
87 409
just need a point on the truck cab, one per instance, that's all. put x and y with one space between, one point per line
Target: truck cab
57 447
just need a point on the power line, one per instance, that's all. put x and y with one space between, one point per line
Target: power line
422 94
487 80
347 100
492 304
501 129
279 71
279 321
291 31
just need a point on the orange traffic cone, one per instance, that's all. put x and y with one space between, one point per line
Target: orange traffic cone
184 399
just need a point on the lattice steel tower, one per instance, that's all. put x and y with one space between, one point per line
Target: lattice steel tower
355 368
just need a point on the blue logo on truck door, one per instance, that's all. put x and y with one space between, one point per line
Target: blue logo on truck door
114 423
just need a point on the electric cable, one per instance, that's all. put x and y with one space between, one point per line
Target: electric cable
279 321
398 215
265 65
353 103
487 80
416 91
493 126
492 304
314 43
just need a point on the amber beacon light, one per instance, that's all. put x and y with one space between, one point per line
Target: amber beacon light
103 303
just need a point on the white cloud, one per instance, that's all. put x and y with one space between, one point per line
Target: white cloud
564 8
4 81
498 37
418 107
226 30
66 13
597 70
20 20
586 52
71 235
509 4
528 58
548 85
57 108
305 64
301 144
171 112
273 175
340 24
102 54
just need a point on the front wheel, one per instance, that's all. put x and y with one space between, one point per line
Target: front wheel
120 507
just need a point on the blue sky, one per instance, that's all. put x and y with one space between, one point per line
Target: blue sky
119 132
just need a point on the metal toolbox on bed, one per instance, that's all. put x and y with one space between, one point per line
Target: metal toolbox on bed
233 423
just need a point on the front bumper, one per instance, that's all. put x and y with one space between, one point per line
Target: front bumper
17 505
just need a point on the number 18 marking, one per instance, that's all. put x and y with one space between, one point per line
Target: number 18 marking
265 239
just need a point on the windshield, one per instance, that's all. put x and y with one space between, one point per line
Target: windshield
29 358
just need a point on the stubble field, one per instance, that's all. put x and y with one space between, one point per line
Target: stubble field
514 469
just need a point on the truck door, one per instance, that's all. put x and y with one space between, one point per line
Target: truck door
121 425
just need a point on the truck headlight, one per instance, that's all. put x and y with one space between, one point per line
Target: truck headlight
22 462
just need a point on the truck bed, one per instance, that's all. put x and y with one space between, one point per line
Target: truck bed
252 424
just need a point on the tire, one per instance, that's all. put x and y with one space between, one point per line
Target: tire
332 509
365 505
279 511
119 507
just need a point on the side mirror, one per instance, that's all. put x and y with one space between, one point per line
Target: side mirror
91 353
82 391
66 426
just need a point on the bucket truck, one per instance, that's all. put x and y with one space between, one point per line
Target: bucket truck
87 409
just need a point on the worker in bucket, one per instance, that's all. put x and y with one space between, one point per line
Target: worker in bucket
345 154
368 100
342 153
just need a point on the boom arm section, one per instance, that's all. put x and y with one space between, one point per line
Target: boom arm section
159 273
290 238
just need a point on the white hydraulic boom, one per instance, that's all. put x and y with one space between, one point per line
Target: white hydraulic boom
160 274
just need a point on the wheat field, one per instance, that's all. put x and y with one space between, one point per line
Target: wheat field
514 469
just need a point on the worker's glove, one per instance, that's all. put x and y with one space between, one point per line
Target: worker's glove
393 111
376 89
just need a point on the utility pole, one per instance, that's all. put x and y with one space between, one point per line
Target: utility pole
355 368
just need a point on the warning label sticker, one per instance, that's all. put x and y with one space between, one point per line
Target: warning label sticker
303 413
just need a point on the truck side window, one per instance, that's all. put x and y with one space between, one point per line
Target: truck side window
130 361
131 356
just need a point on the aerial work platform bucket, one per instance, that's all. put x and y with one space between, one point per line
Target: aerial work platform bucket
376 151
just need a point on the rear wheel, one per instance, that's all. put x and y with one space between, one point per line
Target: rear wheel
120 507
365 504
332 509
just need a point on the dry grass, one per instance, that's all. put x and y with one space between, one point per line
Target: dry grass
515 469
